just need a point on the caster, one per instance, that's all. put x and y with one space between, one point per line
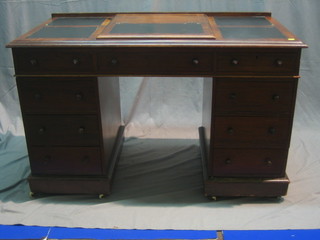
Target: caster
213 198
32 194
101 196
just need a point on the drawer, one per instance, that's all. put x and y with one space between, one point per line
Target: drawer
251 132
53 61
249 162
58 95
65 160
155 62
254 96
62 130
257 62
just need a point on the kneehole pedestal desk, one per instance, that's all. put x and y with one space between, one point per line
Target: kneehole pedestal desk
67 73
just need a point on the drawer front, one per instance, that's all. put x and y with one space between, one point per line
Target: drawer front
157 62
251 132
254 97
56 95
249 162
65 160
53 61
62 130
257 62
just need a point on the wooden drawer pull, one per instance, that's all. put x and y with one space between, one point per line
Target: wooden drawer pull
114 61
37 96
79 96
232 96
228 161
195 61
42 130
230 130
279 62
76 61
235 62
33 62
268 162
275 97
272 130
81 130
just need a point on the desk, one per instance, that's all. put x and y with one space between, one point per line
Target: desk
67 73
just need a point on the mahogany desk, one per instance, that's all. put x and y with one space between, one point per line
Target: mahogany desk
67 73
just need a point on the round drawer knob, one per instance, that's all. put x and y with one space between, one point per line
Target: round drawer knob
230 130
114 61
232 96
195 61
33 62
79 96
268 162
42 130
272 130
75 61
46 160
37 96
81 130
275 97
85 159
279 62
235 62
227 161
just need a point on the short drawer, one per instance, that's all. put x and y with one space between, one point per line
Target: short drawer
155 62
62 130
251 132
249 162
65 160
53 61
257 62
58 95
254 96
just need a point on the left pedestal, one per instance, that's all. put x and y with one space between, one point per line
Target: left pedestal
73 132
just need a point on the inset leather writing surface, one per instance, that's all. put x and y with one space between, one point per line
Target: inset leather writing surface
76 21
180 26
156 28
64 32
242 21
251 33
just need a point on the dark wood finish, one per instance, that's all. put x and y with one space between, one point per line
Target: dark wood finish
258 62
70 102
65 160
40 95
247 187
255 96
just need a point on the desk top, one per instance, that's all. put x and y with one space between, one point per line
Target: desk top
159 29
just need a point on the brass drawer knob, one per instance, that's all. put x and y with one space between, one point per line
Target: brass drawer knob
195 61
